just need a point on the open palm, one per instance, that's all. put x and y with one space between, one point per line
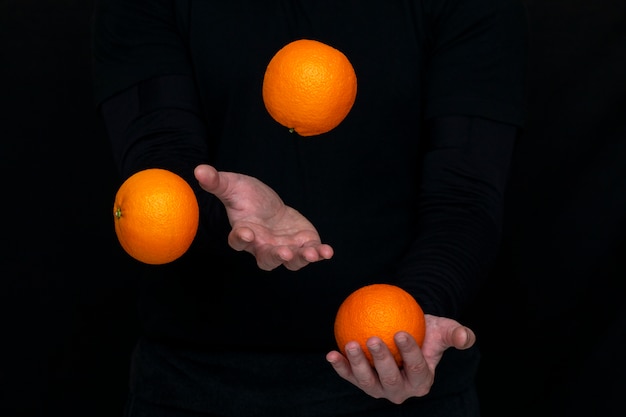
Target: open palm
262 224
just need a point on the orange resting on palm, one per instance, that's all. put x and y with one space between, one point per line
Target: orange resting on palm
156 216
379 310
309 87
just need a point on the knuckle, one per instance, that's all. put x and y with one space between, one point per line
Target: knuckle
417 368
423 388
366 383
391 380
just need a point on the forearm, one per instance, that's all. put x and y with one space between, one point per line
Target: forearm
460 212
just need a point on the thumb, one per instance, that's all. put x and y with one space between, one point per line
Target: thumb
463 337
207 177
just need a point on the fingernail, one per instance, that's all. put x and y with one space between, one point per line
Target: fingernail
402 340
375 347
353 351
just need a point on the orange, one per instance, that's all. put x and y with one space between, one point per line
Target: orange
379 310
156 216
309 87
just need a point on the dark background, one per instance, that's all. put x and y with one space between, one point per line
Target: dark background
552 324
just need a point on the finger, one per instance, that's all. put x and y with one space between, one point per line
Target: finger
340 364
315 251
207 177
214 181
296 264
414 364
241 239
308 254
385 364
303 257
270 257
408 348
326 251
463 337
363 374
380 353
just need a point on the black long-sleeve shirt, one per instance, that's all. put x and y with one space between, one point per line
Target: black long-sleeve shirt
407 189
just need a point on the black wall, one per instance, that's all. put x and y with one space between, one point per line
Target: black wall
552 325
553 321
66 314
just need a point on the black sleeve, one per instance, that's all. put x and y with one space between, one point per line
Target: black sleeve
156 124
133 41
460 212
477 61
475 100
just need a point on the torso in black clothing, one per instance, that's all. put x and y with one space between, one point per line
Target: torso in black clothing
358 184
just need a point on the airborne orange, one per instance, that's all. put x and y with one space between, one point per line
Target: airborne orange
309 87
156 216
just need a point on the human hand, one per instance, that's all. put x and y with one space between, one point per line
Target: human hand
262 224
417 374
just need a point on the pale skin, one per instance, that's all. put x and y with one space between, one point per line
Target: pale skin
276 234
